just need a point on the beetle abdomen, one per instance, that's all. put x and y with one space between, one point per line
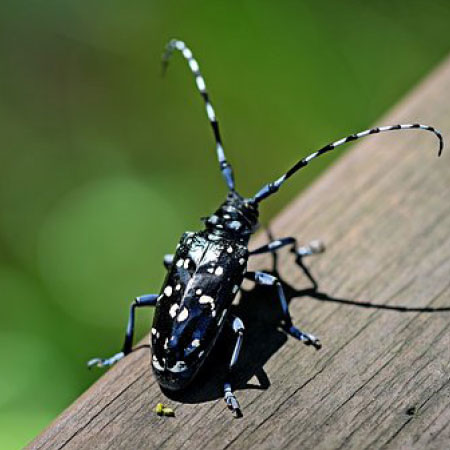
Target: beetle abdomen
205 276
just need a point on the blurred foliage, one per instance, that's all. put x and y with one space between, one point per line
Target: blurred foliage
103 164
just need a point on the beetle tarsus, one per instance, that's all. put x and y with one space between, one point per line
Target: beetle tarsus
307 338
233 404
99 362
312 248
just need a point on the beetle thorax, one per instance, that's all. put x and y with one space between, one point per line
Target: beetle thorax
235 217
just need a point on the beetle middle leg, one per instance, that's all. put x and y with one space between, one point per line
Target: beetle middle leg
229 397
266 279
144 300
312 248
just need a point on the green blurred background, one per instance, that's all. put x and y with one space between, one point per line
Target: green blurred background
103 164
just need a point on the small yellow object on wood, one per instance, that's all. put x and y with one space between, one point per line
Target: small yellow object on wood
163 410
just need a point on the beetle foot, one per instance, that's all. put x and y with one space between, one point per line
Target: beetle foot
307 338
233 404
99 362
312 248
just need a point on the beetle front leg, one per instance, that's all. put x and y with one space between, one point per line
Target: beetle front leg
266 279
229 397
144 300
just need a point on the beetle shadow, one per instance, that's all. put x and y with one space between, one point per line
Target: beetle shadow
261 313
263 338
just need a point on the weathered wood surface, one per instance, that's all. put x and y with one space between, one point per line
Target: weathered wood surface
381 310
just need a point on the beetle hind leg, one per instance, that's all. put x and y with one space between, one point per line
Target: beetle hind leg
266 279
229 397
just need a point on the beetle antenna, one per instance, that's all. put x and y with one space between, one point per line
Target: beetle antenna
175 44
273 187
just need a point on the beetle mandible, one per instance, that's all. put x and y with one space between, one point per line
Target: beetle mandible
206 271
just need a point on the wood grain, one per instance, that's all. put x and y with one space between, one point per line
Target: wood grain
381 310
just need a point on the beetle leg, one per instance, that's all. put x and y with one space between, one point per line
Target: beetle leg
168 260
266 279
229 397
275 245
312 248
144 300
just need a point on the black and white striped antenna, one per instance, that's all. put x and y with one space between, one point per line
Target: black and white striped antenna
273 187
175 44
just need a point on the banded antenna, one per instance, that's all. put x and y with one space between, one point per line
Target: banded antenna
273 187
175 44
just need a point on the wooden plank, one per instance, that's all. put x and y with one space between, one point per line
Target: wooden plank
381 310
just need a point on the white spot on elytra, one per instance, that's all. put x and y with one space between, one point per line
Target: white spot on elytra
241 261
219 271
166 343
156 364
205 299
168 291
186 263
178 287
195 343
210 269
183 315
180 262
235 288
180 366
173 310
154 331
230 249
213 313
198 292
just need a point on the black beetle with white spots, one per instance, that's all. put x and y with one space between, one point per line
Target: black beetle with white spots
206 271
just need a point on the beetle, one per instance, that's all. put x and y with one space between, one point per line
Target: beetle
207 270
